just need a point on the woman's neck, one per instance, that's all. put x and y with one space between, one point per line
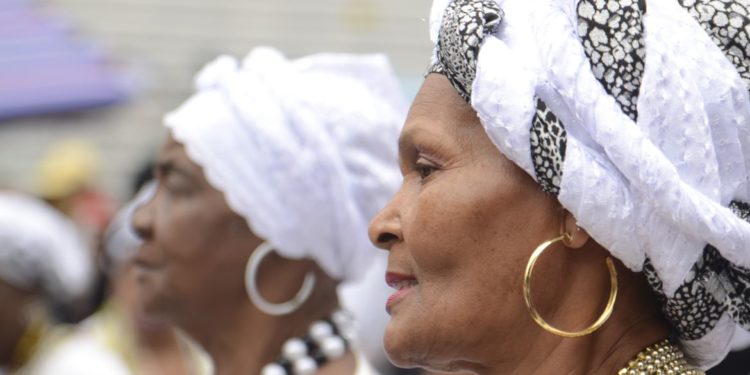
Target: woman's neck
14 320
30 341
635 324
8 344
604 352
241 339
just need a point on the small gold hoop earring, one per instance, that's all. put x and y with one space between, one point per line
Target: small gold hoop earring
535 314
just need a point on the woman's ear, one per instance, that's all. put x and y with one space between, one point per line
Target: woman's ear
575 236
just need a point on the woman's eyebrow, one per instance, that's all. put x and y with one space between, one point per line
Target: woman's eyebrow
408 136
404 141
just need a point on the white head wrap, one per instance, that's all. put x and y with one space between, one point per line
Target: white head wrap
40 248
304 150
636 115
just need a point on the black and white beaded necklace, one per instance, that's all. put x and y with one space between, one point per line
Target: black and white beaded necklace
325 341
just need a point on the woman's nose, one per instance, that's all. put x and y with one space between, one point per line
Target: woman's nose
143 218
385 227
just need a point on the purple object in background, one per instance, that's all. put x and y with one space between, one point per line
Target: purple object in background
44 70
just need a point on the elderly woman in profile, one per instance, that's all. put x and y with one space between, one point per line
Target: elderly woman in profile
576 190
45 266
270 174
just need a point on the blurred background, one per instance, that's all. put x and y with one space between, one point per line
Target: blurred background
84 85
104 72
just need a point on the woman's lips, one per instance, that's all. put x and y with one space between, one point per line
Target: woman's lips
403 285
145 264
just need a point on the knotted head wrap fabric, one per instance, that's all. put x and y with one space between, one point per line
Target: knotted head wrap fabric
303 149
40 249
636 115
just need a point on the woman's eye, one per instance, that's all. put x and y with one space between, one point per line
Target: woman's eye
424 168
176 186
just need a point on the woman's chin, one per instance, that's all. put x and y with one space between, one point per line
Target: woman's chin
399 360
399 344
151 306
151 302
404 353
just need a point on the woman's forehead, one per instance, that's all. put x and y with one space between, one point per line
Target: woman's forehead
437 90
174 154
438 109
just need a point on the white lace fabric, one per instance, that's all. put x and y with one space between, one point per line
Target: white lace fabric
654 188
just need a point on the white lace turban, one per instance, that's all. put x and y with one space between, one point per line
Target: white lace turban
635 114
303 149
41 249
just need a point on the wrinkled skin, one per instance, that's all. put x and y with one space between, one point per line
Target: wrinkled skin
191 269
195 247
463 225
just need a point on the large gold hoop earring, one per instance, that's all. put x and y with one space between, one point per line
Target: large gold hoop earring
538 318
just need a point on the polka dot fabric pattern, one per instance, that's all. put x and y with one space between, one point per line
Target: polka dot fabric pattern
653 159
612 36
728 25
466 24
741 209
713 287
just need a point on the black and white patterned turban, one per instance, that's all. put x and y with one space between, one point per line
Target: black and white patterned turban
635 114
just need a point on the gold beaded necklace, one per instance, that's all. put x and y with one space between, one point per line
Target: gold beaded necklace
660 358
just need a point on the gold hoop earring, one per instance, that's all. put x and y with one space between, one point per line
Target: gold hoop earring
538 318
